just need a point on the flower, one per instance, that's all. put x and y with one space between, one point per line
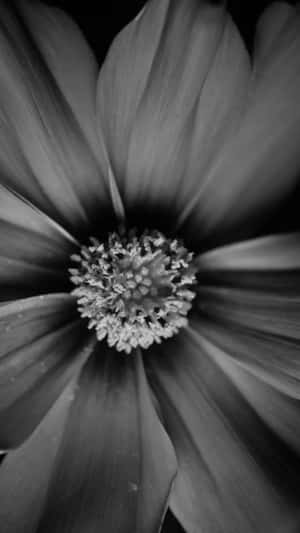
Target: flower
166 160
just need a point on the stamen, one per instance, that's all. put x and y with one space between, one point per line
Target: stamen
134 290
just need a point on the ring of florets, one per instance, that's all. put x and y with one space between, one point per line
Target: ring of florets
134 289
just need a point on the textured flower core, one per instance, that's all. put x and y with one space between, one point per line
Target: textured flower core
134 289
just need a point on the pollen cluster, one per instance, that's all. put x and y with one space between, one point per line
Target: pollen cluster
134 289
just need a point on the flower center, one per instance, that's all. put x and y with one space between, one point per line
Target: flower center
135 290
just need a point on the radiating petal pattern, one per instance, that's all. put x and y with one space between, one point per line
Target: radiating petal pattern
43 344
34 251
248 304
235 474
170 91
115 465
261 162
177 117
45 152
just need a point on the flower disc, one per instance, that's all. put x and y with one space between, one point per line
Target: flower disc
134 289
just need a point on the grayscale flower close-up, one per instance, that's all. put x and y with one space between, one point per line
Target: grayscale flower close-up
149 327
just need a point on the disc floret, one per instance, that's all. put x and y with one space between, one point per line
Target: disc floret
134 289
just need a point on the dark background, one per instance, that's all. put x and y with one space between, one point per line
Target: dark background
101 20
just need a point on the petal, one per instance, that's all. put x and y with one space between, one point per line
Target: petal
25 472
115 464
234 473
272 253
42 347
160 108
249 306
273 358
270 25
268 311
278 411
126 461
261 163
71 62
34 250
45 154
